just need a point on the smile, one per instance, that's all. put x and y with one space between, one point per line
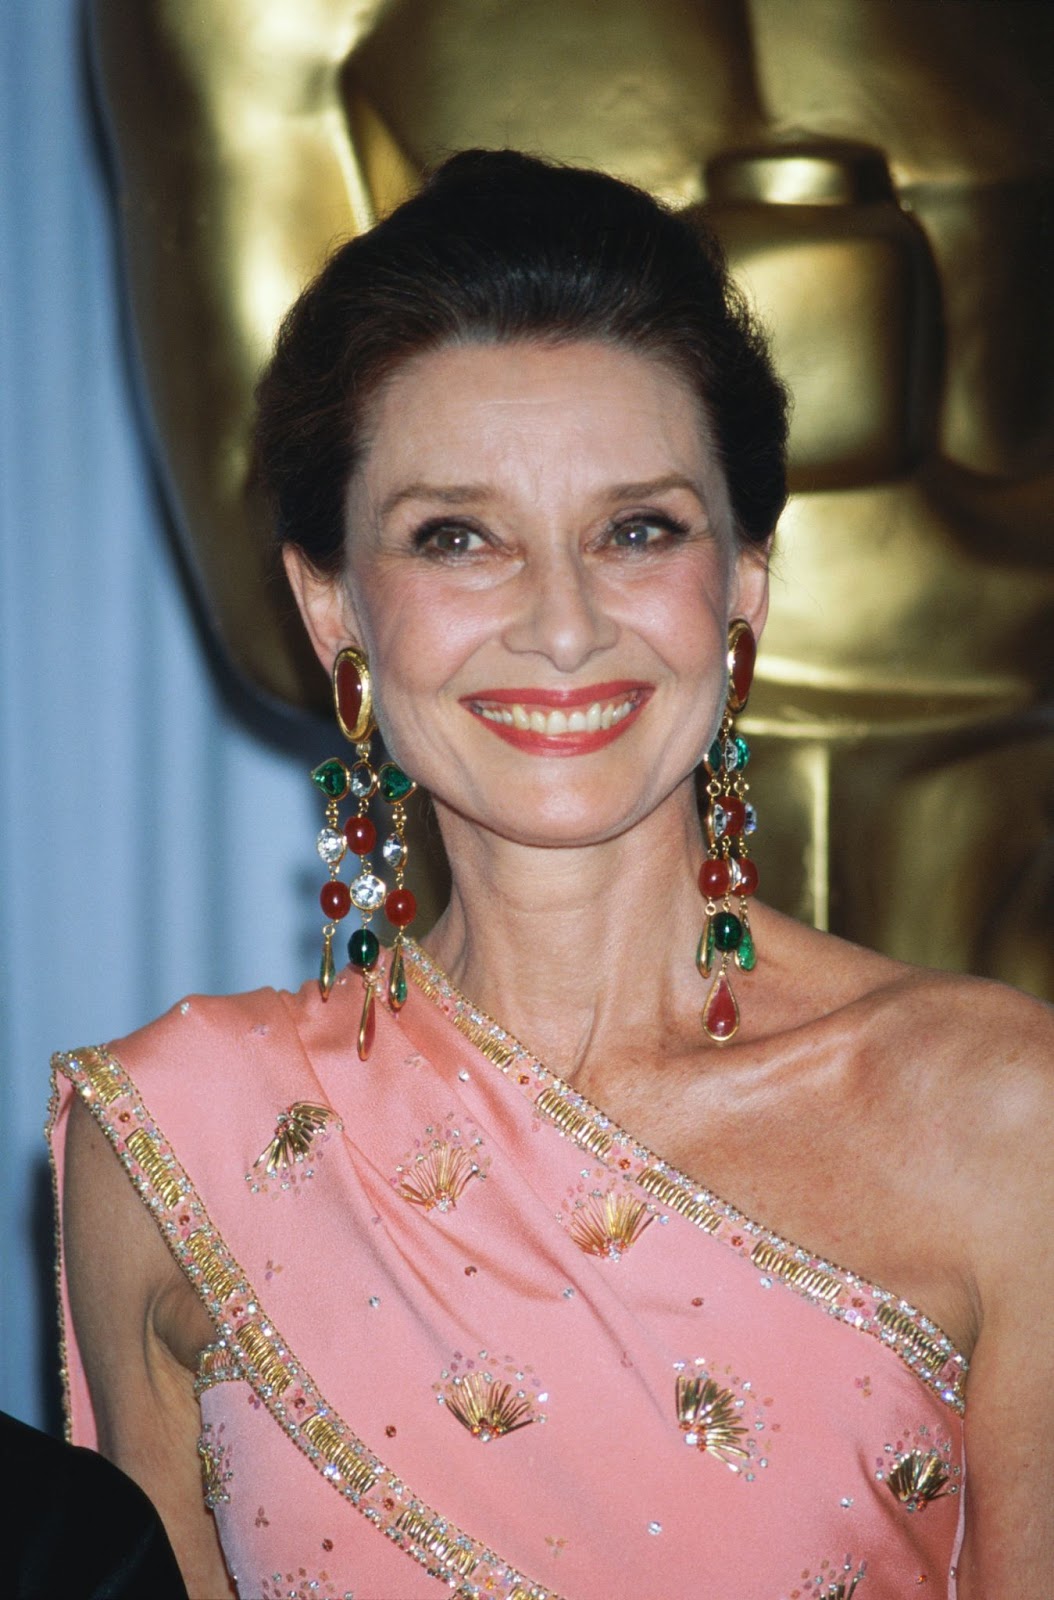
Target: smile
560 722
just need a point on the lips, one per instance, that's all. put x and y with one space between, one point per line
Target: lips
560 721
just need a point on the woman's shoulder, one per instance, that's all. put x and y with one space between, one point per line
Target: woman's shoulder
979 1052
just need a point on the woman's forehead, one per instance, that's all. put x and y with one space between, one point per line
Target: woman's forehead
585 411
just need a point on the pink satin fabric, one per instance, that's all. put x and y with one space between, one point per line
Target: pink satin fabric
428 1252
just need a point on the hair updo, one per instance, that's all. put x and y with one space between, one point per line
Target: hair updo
498 247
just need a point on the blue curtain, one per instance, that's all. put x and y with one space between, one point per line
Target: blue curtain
151 843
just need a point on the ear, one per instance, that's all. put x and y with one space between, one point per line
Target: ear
324 605
749 593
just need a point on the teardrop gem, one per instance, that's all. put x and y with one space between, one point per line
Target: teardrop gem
714 756
367 1025
397 980
394 783
704 955
332 778
746 955
327 971
720 1014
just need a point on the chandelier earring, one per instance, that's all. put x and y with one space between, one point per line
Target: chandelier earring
728 877
367 892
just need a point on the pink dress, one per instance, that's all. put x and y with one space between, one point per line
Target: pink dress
473 1338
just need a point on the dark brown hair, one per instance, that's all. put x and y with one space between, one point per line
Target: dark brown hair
497 247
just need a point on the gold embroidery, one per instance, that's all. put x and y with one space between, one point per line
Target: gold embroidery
262 1355
293 1135
670 1193
202 1252
800 1273
320 1432
98 1070
899 1323
217 1363
607 1226
483 1033
145 1150
918 1478
707 1414
421 1532
579 1127
487 1408
437 1179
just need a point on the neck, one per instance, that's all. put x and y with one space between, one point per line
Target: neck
577 949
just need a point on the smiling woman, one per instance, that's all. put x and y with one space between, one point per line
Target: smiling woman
525 450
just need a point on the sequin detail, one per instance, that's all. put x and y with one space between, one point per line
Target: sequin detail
438 1178
215 1459
869 1309
834 1581
266 1363
293 1135
486 1407
607 1225
709 1421
917 1479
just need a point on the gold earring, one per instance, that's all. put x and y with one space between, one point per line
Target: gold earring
728 871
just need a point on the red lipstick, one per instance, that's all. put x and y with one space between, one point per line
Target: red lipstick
622 700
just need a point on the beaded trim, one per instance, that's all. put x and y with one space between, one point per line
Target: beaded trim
918 1342
249 1346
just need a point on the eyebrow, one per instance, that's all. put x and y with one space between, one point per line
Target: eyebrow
454 494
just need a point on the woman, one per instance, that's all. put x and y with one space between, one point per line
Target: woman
449 1324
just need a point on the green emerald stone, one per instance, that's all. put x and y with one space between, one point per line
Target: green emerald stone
363 949
704 955
332 778
742 749
714 756
746 955
728 931
394 784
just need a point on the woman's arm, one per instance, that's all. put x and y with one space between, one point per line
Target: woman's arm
138 1327
1009 1545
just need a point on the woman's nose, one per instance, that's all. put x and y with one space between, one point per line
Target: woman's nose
560 614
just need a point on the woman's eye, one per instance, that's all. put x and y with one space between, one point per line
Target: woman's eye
448 539
644 532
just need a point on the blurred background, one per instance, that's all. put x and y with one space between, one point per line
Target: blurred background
172 171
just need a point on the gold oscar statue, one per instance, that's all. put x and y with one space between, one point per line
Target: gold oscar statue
880 172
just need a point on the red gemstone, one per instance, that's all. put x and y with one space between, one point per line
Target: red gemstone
747 877
360 834
714 878
400 908
335 899
348 685
742 654
735 812
720 1014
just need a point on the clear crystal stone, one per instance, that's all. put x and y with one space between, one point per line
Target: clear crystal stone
367 892
750 819
731 755
363 780
720 816
330 846
393 850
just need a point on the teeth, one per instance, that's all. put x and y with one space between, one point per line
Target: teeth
598 716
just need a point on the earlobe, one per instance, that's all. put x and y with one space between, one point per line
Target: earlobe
323 604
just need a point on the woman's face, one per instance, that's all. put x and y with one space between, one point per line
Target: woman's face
541 568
